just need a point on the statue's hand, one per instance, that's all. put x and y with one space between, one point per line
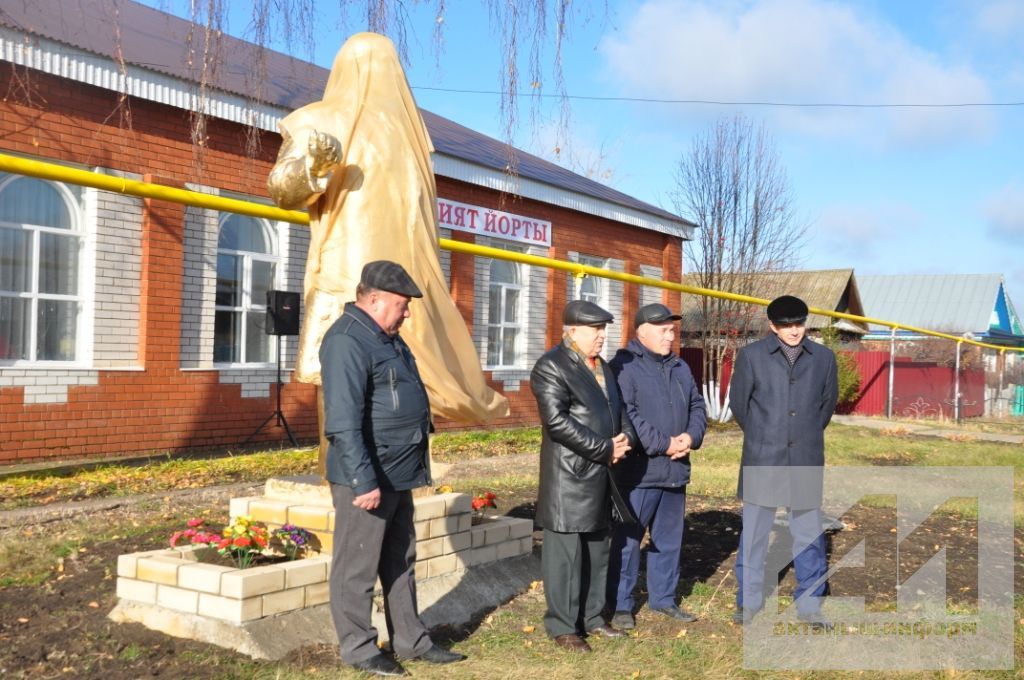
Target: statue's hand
323 153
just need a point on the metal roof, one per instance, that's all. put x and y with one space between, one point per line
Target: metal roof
833 289
257 85
948 303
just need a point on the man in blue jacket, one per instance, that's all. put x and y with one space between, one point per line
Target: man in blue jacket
377 420
784 390
668 414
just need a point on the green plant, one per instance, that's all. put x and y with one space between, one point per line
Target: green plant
849 376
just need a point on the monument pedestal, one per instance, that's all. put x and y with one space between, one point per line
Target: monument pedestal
461 569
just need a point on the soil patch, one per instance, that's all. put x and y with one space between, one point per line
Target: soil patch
60 629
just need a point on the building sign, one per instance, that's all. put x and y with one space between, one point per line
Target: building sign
493 223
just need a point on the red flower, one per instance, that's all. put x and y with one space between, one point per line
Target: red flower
478 503
195 522
242 542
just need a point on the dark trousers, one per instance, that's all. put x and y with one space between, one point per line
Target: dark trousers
809 560
661 511
574 567
368 544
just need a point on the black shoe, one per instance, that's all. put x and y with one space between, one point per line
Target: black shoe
381 665
624 620
440 655
674 612
606 631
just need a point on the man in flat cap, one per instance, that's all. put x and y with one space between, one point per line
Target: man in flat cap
585 431
668 415
376 421
784 390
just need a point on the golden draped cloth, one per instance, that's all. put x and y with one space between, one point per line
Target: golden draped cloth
379 204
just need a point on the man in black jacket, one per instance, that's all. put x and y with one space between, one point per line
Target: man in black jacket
377 420
668 414
784 390
585 431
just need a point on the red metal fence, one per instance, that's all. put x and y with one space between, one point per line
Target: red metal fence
920 389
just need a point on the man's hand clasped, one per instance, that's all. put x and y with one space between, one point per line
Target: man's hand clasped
367 501
679 446
620 447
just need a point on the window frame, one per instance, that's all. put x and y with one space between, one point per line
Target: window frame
592 261
75 205
272 235
502 324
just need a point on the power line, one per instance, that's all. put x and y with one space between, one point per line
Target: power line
712 102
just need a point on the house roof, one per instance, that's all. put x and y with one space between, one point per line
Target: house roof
832 289
948 303
255 84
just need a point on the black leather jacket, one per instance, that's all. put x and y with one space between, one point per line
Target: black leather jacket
578 424
376 413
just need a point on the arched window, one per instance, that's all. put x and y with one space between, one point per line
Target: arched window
40 247
503 317
246 269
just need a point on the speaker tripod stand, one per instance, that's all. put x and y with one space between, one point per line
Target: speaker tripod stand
281 420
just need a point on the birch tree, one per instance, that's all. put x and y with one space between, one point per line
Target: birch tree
732 184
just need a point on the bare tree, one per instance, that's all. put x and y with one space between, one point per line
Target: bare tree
732 185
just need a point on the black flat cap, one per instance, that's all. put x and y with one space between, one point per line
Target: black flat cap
654 313
787 309
585 313
389 276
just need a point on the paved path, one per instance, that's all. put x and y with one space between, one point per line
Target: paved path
924 429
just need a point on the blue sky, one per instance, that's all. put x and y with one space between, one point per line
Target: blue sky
883 190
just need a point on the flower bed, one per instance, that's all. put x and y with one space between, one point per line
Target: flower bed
183 580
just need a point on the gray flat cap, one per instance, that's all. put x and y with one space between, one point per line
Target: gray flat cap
787 309
585 313
654 313
389 276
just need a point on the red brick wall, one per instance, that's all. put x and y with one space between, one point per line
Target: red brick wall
163 408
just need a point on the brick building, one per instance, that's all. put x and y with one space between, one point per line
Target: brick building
132 326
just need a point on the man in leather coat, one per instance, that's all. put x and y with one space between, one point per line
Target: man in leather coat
585 431
377 420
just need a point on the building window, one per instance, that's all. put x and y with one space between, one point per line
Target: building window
41 242
592 288
504 325
247 265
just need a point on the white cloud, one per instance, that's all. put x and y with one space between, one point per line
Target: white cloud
1002 19
1004 211
805 51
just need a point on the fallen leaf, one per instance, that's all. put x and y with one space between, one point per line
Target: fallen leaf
22 620
681 633
94 604
534 585
529 629
82 550
528 643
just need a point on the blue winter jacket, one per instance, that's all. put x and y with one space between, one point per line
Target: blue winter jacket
662 401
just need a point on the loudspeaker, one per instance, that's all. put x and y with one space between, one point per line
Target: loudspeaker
282 313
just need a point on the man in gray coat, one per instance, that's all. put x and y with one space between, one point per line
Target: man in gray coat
784 390
377 420
585 430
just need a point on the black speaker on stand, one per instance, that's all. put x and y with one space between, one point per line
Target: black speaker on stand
282 319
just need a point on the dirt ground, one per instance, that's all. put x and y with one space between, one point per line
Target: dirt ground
60 629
